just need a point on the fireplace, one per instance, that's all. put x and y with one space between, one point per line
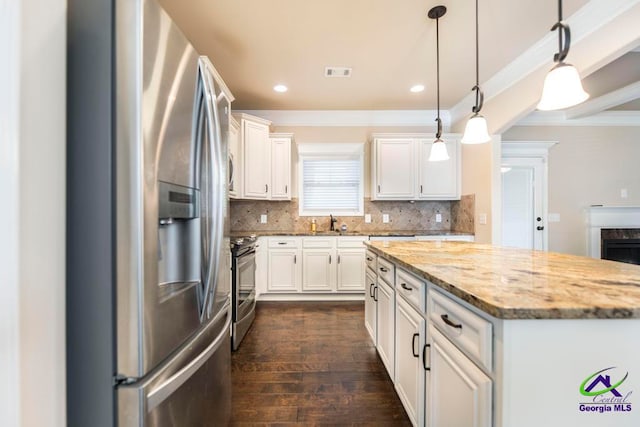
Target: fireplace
623 250
614 233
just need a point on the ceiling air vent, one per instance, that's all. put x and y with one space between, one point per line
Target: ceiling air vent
337 72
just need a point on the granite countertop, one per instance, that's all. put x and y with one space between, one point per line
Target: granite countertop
407 233
513 283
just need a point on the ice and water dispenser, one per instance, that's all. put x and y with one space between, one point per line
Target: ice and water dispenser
178 238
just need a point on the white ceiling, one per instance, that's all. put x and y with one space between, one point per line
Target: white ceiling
390 45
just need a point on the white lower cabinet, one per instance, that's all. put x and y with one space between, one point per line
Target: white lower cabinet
350 270
284 266
386 325
458 392
304 266
410 335
370 305
319 271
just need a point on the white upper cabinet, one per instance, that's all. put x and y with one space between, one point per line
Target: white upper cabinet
261 161
281 166
235 175
394 169
439 180
401 169
256 154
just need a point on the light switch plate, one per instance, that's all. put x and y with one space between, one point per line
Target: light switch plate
385 218
367 218
438 217
482 219
624 193
553 217
263 219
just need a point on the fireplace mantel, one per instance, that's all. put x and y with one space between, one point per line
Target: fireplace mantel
599 217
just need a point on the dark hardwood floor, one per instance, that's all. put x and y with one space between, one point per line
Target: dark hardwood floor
311 364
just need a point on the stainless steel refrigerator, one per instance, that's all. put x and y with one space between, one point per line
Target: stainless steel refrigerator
148 288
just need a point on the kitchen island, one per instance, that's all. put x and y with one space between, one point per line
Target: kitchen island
509 337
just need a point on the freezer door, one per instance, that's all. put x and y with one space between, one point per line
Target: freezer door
191 389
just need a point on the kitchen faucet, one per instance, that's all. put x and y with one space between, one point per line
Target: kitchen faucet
333 221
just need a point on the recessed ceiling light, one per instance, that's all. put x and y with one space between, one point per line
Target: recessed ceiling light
280 88
417 88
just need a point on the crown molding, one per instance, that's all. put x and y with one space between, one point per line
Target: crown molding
604 102
585 22
559 118
328 118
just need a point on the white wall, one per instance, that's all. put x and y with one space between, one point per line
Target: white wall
589 165
32 184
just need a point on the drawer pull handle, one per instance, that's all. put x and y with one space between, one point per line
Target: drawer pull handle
404 286
375 294
295 259
369 259
445 319
384 270
282 243
424 357
413 345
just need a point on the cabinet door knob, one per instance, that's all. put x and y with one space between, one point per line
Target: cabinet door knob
539 228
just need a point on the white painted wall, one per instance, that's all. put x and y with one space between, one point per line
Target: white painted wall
32 184
589 165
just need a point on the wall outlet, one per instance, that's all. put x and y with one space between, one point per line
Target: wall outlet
438 217
367 218
624 193
385 218
482 219
263 219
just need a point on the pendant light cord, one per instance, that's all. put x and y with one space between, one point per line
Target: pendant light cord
477 56
439 131
560 29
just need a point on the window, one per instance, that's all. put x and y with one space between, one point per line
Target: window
331 178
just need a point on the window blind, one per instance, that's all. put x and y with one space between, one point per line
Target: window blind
331 185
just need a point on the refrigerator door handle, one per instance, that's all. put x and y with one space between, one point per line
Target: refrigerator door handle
219 183
210 269
156 396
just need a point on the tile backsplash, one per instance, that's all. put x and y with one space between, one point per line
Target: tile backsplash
403 216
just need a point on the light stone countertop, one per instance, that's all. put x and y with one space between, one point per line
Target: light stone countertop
352 233
511 283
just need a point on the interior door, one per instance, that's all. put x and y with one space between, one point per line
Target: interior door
523 208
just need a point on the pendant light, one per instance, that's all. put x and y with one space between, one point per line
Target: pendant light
476 130
438 148
562 86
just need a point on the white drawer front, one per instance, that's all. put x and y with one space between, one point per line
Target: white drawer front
469 332
370 259
386 271
284 242
319 242
351 242
413 289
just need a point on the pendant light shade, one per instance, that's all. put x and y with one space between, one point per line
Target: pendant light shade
562 86
476 132
438 148
438 151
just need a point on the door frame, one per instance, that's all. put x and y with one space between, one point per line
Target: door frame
537 151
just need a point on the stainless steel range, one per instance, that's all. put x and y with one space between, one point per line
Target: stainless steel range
243 286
